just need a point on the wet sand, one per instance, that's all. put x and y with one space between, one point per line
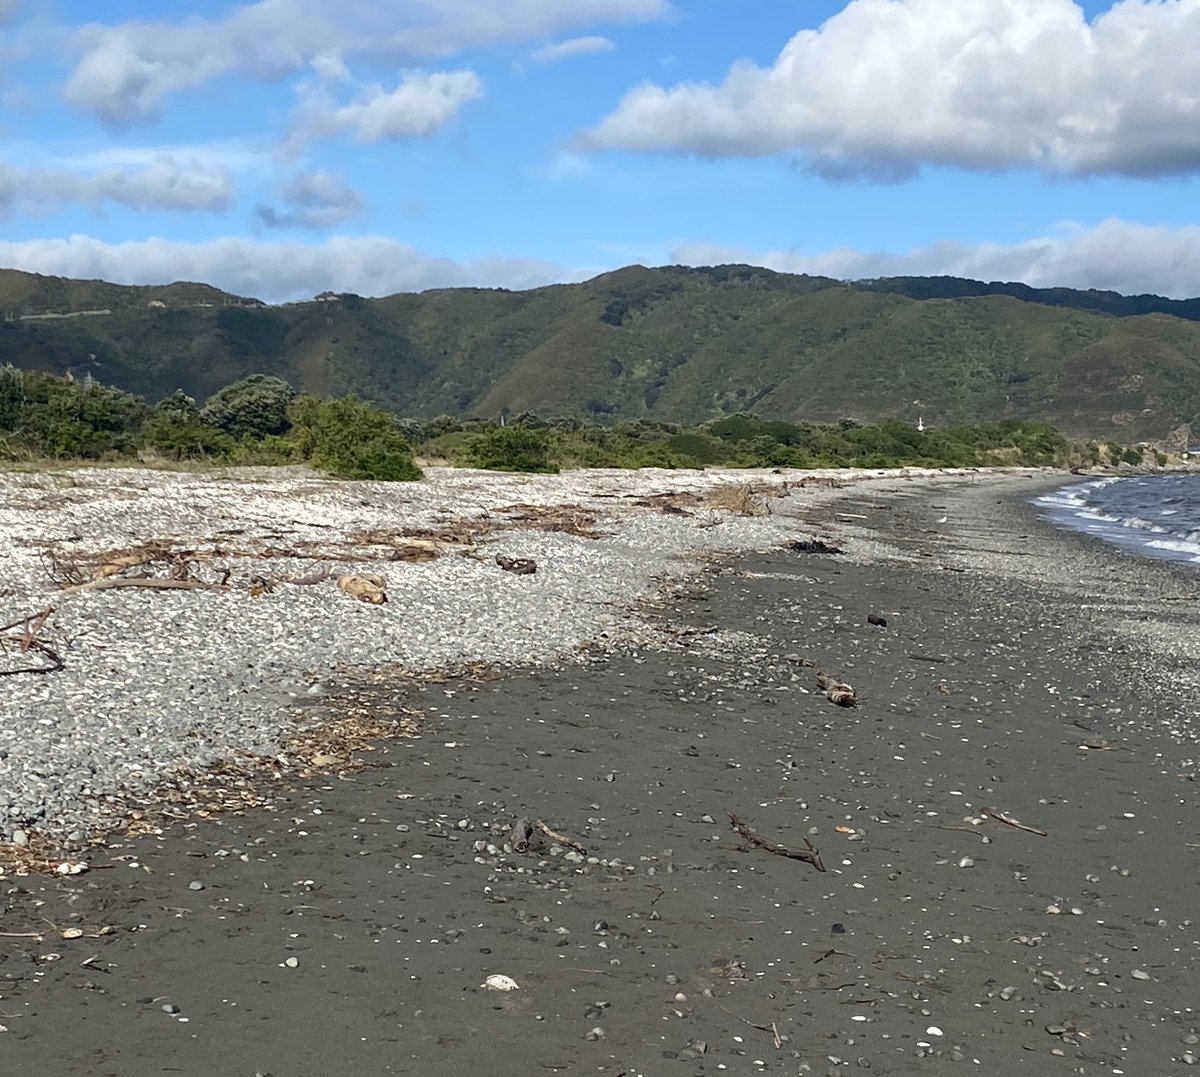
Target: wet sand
348 927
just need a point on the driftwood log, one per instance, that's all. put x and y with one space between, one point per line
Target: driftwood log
836 691
810 854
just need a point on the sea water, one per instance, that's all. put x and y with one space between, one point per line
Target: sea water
1150 515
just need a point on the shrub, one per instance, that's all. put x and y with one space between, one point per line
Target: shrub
350 439
512 448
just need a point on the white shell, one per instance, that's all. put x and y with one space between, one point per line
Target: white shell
499 982
69 867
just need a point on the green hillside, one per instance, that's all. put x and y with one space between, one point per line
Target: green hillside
673 343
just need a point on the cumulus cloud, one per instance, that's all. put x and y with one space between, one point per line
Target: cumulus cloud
126 72
1115 255
576 46
317 199
277 271
886 85
419 105
162 184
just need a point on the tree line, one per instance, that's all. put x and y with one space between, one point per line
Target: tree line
263 420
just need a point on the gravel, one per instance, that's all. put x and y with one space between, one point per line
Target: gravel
157 682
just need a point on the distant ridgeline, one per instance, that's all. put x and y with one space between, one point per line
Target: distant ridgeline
673 344
263 420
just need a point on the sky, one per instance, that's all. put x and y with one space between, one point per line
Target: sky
281 148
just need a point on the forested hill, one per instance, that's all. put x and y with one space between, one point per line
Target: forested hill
673 343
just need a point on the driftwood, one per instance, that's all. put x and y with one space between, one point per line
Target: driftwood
157 583
26 640
810 854
364 587
837 691
1008 820
562 839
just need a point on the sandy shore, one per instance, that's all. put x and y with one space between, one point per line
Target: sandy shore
1007 821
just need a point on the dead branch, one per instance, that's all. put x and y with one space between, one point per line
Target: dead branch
27 640
810 855
1000 817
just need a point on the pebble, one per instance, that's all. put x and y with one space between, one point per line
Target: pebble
196 885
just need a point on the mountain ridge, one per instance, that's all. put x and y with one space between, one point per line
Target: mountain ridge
673 342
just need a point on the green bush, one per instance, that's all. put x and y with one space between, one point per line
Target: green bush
512 448
350 439
66 419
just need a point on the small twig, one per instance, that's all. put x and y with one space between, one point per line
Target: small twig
1000 817
810 855
22 935
761 1028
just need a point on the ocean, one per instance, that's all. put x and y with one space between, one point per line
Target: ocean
1150 515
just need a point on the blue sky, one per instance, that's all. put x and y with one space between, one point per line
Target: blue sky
279 148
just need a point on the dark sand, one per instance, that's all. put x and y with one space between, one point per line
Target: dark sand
924 948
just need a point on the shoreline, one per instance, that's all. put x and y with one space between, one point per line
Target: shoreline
1006 821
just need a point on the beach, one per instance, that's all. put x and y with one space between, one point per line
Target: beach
685 856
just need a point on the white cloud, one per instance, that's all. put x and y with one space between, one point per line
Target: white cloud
317 199
1114 255
274 271
419 105
165 183
126 72
886 85
576 46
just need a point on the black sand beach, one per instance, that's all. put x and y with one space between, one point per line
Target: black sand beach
1007 821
